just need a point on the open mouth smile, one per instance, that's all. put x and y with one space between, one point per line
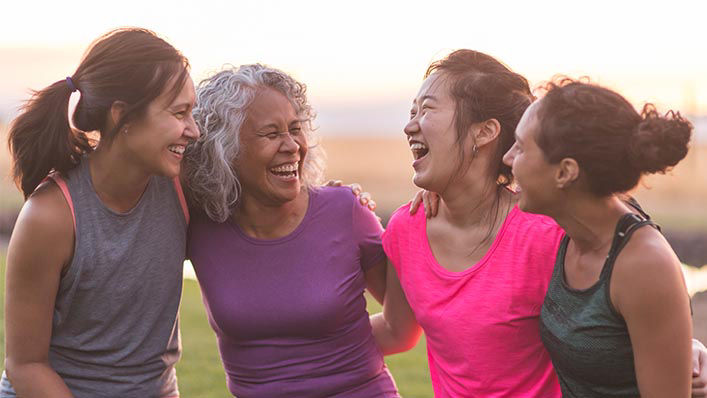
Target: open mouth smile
287 171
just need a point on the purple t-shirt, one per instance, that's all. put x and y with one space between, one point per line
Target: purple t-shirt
289 313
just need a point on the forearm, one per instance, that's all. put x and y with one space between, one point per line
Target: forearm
36 379
391 341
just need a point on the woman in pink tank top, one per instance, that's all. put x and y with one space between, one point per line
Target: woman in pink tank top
474 277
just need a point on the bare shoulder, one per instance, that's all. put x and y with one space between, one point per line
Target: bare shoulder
646 270
44 227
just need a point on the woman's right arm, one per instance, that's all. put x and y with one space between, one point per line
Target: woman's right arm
40 248
395 329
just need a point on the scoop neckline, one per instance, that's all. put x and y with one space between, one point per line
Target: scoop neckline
267 242
87 175
479 265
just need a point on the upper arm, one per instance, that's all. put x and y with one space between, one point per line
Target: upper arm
40 248
376 280
649 291
366 233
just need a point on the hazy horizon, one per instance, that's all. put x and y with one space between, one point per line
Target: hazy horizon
363 62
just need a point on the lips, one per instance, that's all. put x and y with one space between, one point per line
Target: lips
286 171
419 150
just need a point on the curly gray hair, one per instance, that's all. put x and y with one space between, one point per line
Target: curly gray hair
221 107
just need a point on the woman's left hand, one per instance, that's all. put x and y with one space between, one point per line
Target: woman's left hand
363 197
699 371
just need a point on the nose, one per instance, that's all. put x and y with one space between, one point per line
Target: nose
509 156
411 127
192 130
289 144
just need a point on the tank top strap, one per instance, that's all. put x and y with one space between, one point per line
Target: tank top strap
182 199
633 203
61 183
627 225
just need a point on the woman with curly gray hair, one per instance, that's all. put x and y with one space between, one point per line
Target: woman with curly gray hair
281 261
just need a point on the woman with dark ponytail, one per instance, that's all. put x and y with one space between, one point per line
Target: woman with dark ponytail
94 267
616 317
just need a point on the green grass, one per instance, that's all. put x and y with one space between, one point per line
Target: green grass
201 374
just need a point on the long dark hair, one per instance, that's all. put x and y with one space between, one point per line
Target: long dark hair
131 65
483 88
612 143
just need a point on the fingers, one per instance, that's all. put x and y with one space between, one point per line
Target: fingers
372 206
699 357
334 183
434 204
431 201
699 389
356 189
364 198
416 202
695 362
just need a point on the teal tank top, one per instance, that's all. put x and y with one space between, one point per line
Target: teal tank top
585 335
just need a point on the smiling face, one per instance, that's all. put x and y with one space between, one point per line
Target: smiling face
534 175
158 139
274 147
432 135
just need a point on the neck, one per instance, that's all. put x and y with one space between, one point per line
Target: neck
118 182
476 203
589 221
262 220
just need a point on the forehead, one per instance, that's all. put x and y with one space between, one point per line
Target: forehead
435 85
270 105
528 123
185 95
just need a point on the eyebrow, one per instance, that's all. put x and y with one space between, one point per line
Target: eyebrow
179 105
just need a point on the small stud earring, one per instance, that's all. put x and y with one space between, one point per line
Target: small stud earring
475 149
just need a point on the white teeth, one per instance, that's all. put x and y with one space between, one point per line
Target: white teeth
417 146
179 149
290 167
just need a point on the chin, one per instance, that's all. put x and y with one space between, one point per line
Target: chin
421 182
169 172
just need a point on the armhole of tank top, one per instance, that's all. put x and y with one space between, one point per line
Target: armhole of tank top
61 183
627 235
182 199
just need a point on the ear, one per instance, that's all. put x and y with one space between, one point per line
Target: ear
116 113
567 173
487 132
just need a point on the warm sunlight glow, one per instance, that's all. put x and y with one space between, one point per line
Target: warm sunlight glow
363 61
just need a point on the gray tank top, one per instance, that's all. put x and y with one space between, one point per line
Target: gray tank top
586 337
115 329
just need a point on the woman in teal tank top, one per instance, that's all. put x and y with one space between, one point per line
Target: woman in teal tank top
616 317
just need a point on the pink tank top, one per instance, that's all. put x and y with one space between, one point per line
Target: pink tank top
481 324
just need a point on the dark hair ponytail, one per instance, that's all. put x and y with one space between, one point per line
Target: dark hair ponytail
131 65
42 140
659 142
613 144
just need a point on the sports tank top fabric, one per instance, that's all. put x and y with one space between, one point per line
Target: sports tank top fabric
115 327
586 337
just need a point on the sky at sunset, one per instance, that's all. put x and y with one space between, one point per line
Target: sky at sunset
363 60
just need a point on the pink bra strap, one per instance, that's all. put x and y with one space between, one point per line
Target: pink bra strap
61 183
182 200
